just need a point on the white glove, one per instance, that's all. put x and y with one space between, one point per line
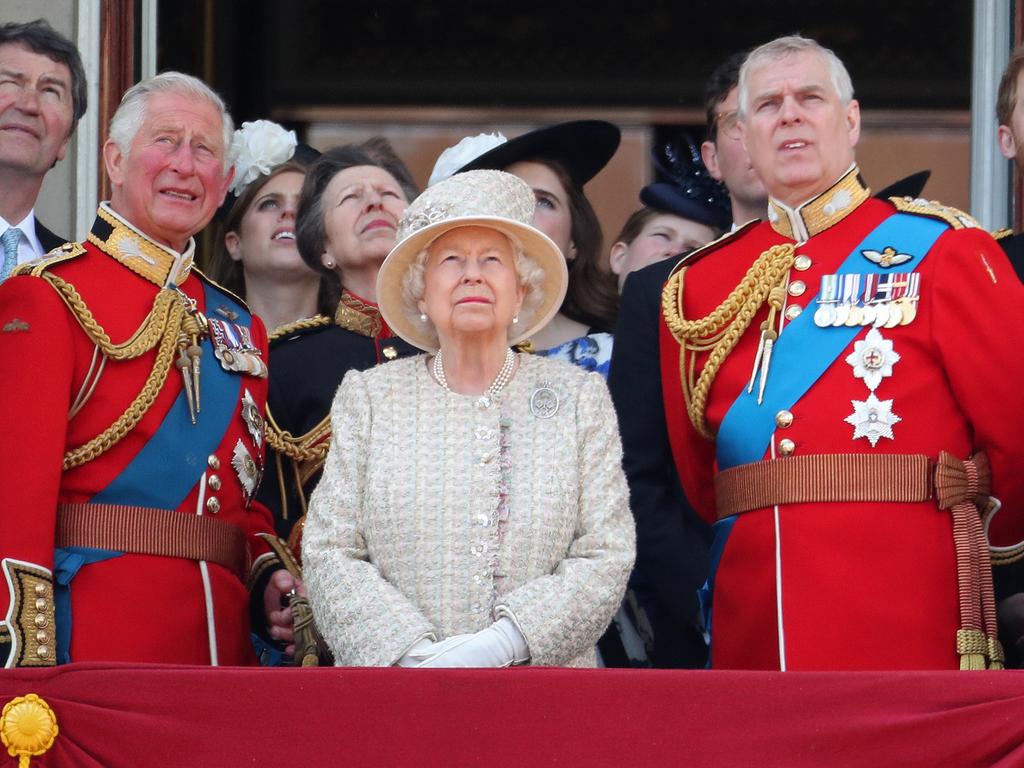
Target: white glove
425 649
499 645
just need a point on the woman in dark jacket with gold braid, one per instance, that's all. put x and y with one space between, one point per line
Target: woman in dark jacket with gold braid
348 212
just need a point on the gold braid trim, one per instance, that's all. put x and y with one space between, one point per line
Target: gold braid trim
128 420
162 325
145 337
316 321
308 447
722 329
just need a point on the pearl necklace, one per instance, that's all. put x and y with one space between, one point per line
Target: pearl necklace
496 386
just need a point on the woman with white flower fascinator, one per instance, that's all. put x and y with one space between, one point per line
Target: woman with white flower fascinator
255 255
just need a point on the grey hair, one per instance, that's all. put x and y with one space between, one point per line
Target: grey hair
130 115
779 49
530 273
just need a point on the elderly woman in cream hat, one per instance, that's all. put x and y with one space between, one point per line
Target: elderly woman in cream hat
474 513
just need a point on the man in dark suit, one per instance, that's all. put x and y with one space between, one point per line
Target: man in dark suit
1010 115
42 97
672 541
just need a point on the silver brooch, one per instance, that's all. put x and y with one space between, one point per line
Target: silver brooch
544 402
247 470
253 418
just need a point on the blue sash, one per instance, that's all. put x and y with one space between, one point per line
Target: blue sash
167 468
803 351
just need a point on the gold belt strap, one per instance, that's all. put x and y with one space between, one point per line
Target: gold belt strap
821 478
148 531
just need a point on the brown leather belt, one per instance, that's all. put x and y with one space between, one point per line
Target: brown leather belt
961 486
148 531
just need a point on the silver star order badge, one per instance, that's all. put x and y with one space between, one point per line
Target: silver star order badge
873 419
873 358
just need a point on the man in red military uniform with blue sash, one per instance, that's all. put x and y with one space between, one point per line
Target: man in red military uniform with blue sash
844 380
134 440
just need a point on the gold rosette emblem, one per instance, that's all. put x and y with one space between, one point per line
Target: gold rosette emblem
28 728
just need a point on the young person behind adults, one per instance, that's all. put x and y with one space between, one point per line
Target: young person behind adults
348 212
688 210
436 537
133 418
1010 116
255 256
42 98
672 541
830 419
557 161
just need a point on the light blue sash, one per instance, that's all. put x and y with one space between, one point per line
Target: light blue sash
803 351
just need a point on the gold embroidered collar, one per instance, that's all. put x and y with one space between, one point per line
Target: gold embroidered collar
358 315
121 241
821 212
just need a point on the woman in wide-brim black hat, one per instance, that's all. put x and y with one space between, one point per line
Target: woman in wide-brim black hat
556 161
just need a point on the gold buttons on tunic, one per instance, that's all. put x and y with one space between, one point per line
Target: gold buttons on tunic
797 288
213 504
213 462
786 446
40 604
793 311
783 418
42 636
40 589
43 651
802 263
214 482
40 620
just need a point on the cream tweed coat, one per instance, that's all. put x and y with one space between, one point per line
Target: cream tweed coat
407 536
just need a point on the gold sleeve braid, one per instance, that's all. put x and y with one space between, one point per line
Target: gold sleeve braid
163 325
719 331
316 321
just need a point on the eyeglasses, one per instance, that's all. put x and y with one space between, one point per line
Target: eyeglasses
728 124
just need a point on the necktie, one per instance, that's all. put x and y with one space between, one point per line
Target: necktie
10 241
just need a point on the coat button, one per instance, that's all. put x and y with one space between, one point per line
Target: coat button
802 263
213 462
783 418
214 482
213 504
786 446
793 311
797 288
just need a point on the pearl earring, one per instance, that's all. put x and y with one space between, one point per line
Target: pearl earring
423 317
329 263
515 319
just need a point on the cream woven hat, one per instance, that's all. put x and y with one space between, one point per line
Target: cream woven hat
492 199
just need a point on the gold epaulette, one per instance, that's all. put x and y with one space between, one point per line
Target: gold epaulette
956 218
699 253
36 267
1004 232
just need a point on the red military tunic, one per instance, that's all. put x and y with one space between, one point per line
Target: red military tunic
60 393
844 585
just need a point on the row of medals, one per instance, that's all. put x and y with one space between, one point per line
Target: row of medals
885 301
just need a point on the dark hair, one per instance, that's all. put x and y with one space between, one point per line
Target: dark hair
635 224
230 273
723 79
1007 98
593 296
39 37
310 234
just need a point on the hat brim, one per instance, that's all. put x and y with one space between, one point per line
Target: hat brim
582 147
535 243
664 197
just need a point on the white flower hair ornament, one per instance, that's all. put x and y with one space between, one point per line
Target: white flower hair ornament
467 150
257 148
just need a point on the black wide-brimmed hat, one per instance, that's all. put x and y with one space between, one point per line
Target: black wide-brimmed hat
690 191
582 147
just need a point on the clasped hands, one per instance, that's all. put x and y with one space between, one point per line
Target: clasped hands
499 645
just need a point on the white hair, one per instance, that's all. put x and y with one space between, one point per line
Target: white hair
529 272
779 49
130 115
